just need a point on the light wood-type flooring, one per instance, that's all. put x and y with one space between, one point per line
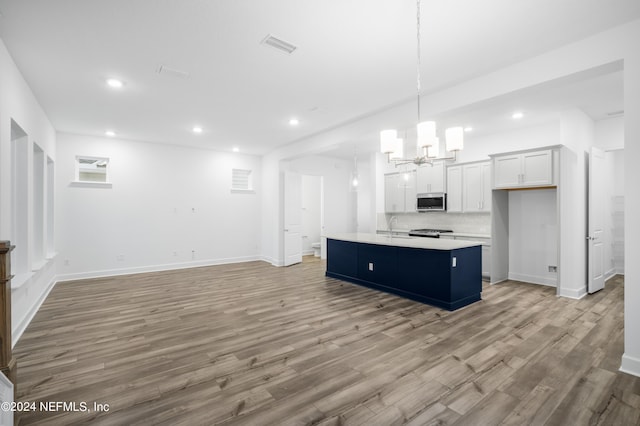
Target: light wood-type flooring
252 344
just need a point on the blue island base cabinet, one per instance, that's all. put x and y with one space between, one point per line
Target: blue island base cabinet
448 279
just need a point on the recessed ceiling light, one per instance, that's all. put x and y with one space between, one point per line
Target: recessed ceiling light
236 149
115 83
294 122
197 129
468 129
110 133
517 115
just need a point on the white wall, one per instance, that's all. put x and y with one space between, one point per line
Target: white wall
577 136
18 103
311 212
631 357
533 236
168 207
527 137
609 135
365 208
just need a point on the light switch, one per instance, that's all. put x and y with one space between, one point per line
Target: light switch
370 266
453 265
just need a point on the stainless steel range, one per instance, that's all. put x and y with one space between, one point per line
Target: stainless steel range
428 233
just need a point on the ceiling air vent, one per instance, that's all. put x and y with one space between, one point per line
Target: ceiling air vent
276 43
614 113
171 72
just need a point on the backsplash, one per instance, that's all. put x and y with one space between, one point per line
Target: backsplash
474 223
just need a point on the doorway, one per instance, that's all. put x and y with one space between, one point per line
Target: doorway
303 216
311 214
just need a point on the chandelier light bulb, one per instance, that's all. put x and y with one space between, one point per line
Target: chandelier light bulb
454 138
387 141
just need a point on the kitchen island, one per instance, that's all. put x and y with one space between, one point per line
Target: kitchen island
440 272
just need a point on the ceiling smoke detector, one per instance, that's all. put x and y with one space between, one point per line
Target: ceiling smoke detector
278 44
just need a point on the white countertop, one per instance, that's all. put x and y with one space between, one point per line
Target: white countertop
446 234
467 234
402 241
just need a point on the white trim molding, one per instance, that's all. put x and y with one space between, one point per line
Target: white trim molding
573 293
154 268
630 365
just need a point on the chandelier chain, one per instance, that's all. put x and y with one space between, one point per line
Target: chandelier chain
418 83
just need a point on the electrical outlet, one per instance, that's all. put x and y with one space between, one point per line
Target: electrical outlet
370 266
454 262
175 253
120 258
67 262
553 268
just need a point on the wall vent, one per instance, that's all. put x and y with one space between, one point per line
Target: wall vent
241 179
278 44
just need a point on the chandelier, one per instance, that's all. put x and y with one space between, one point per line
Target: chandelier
427 142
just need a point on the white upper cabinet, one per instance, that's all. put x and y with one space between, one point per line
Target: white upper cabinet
430 178
400 192
476 188
537 168
454 189
392 200
522 170
410 192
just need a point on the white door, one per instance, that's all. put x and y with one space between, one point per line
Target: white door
292 218
596 202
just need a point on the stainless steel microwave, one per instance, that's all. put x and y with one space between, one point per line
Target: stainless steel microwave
432 202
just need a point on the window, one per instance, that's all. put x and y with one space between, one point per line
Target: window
241 180
92 169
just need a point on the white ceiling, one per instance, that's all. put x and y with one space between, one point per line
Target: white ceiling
354 57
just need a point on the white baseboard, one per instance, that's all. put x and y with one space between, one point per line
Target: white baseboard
155 268
573 293
609 274
272 261
630 365
533 279
19 329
